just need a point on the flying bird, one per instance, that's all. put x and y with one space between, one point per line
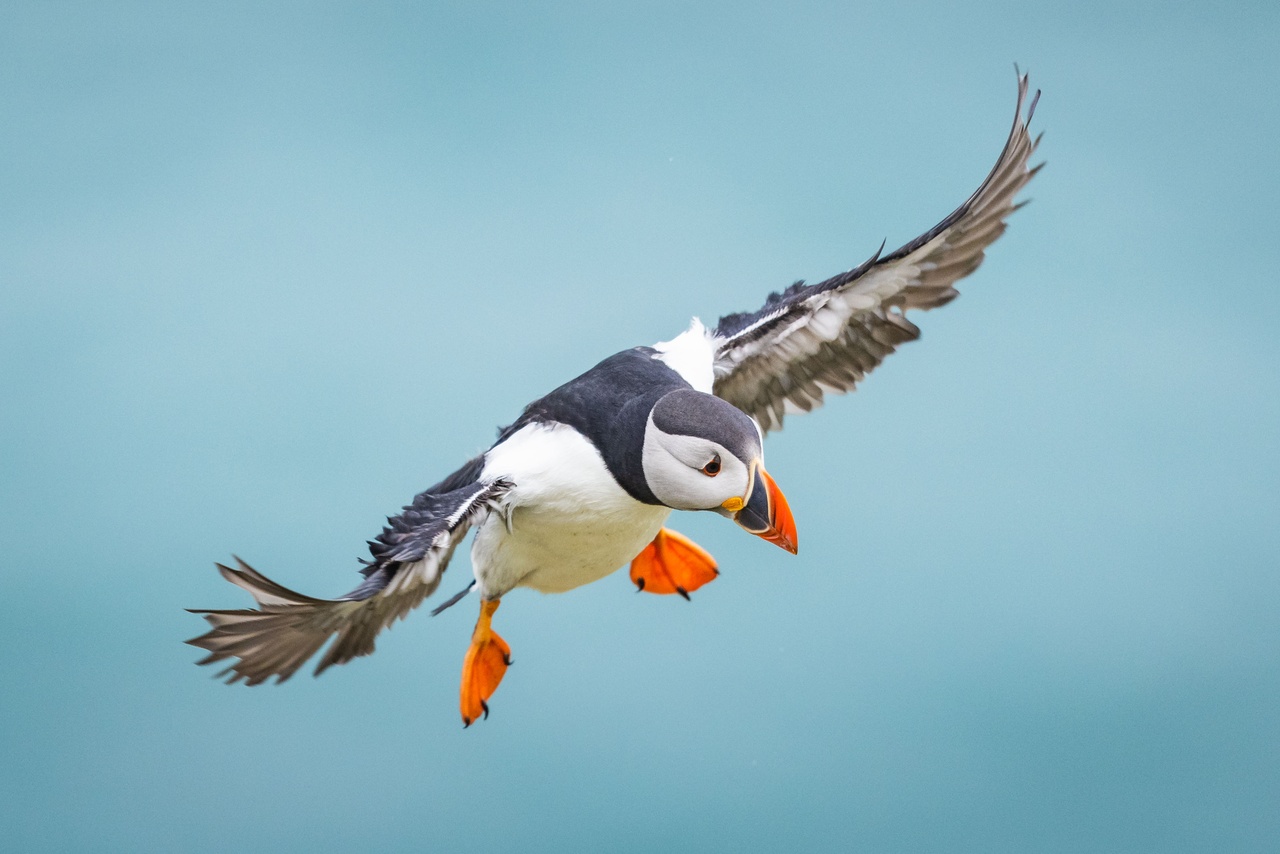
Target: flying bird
583 482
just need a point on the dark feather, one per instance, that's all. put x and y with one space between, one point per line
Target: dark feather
409 558
811 340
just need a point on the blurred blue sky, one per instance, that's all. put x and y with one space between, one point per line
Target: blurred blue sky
266 274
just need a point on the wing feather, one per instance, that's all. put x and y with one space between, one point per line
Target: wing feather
288 628
814 340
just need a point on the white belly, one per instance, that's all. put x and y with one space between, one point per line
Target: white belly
570 522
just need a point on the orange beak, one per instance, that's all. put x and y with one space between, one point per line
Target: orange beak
766 513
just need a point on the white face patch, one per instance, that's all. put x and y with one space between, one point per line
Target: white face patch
673 468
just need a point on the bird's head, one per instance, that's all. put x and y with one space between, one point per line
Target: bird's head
702 453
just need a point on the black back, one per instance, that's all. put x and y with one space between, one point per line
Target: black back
610 406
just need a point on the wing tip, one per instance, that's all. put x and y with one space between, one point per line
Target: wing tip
1024 86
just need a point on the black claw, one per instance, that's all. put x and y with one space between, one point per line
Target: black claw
485 706
506 659
466 722
684 593
639 584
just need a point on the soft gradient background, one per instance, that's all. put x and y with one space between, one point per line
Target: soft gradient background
266 274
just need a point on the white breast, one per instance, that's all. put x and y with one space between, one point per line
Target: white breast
566 521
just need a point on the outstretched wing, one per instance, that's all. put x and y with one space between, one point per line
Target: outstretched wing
287 628
811 340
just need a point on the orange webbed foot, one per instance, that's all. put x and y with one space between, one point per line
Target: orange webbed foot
672 563
483 668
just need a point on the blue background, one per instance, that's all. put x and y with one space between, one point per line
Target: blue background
266 274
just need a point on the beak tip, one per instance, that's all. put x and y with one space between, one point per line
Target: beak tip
786 540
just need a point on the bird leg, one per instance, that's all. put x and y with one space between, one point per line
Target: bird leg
672 563
485 665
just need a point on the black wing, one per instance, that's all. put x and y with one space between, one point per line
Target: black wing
811 340
409 558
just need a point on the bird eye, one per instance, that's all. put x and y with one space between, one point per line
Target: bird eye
712 468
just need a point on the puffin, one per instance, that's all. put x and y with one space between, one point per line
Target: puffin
584 481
